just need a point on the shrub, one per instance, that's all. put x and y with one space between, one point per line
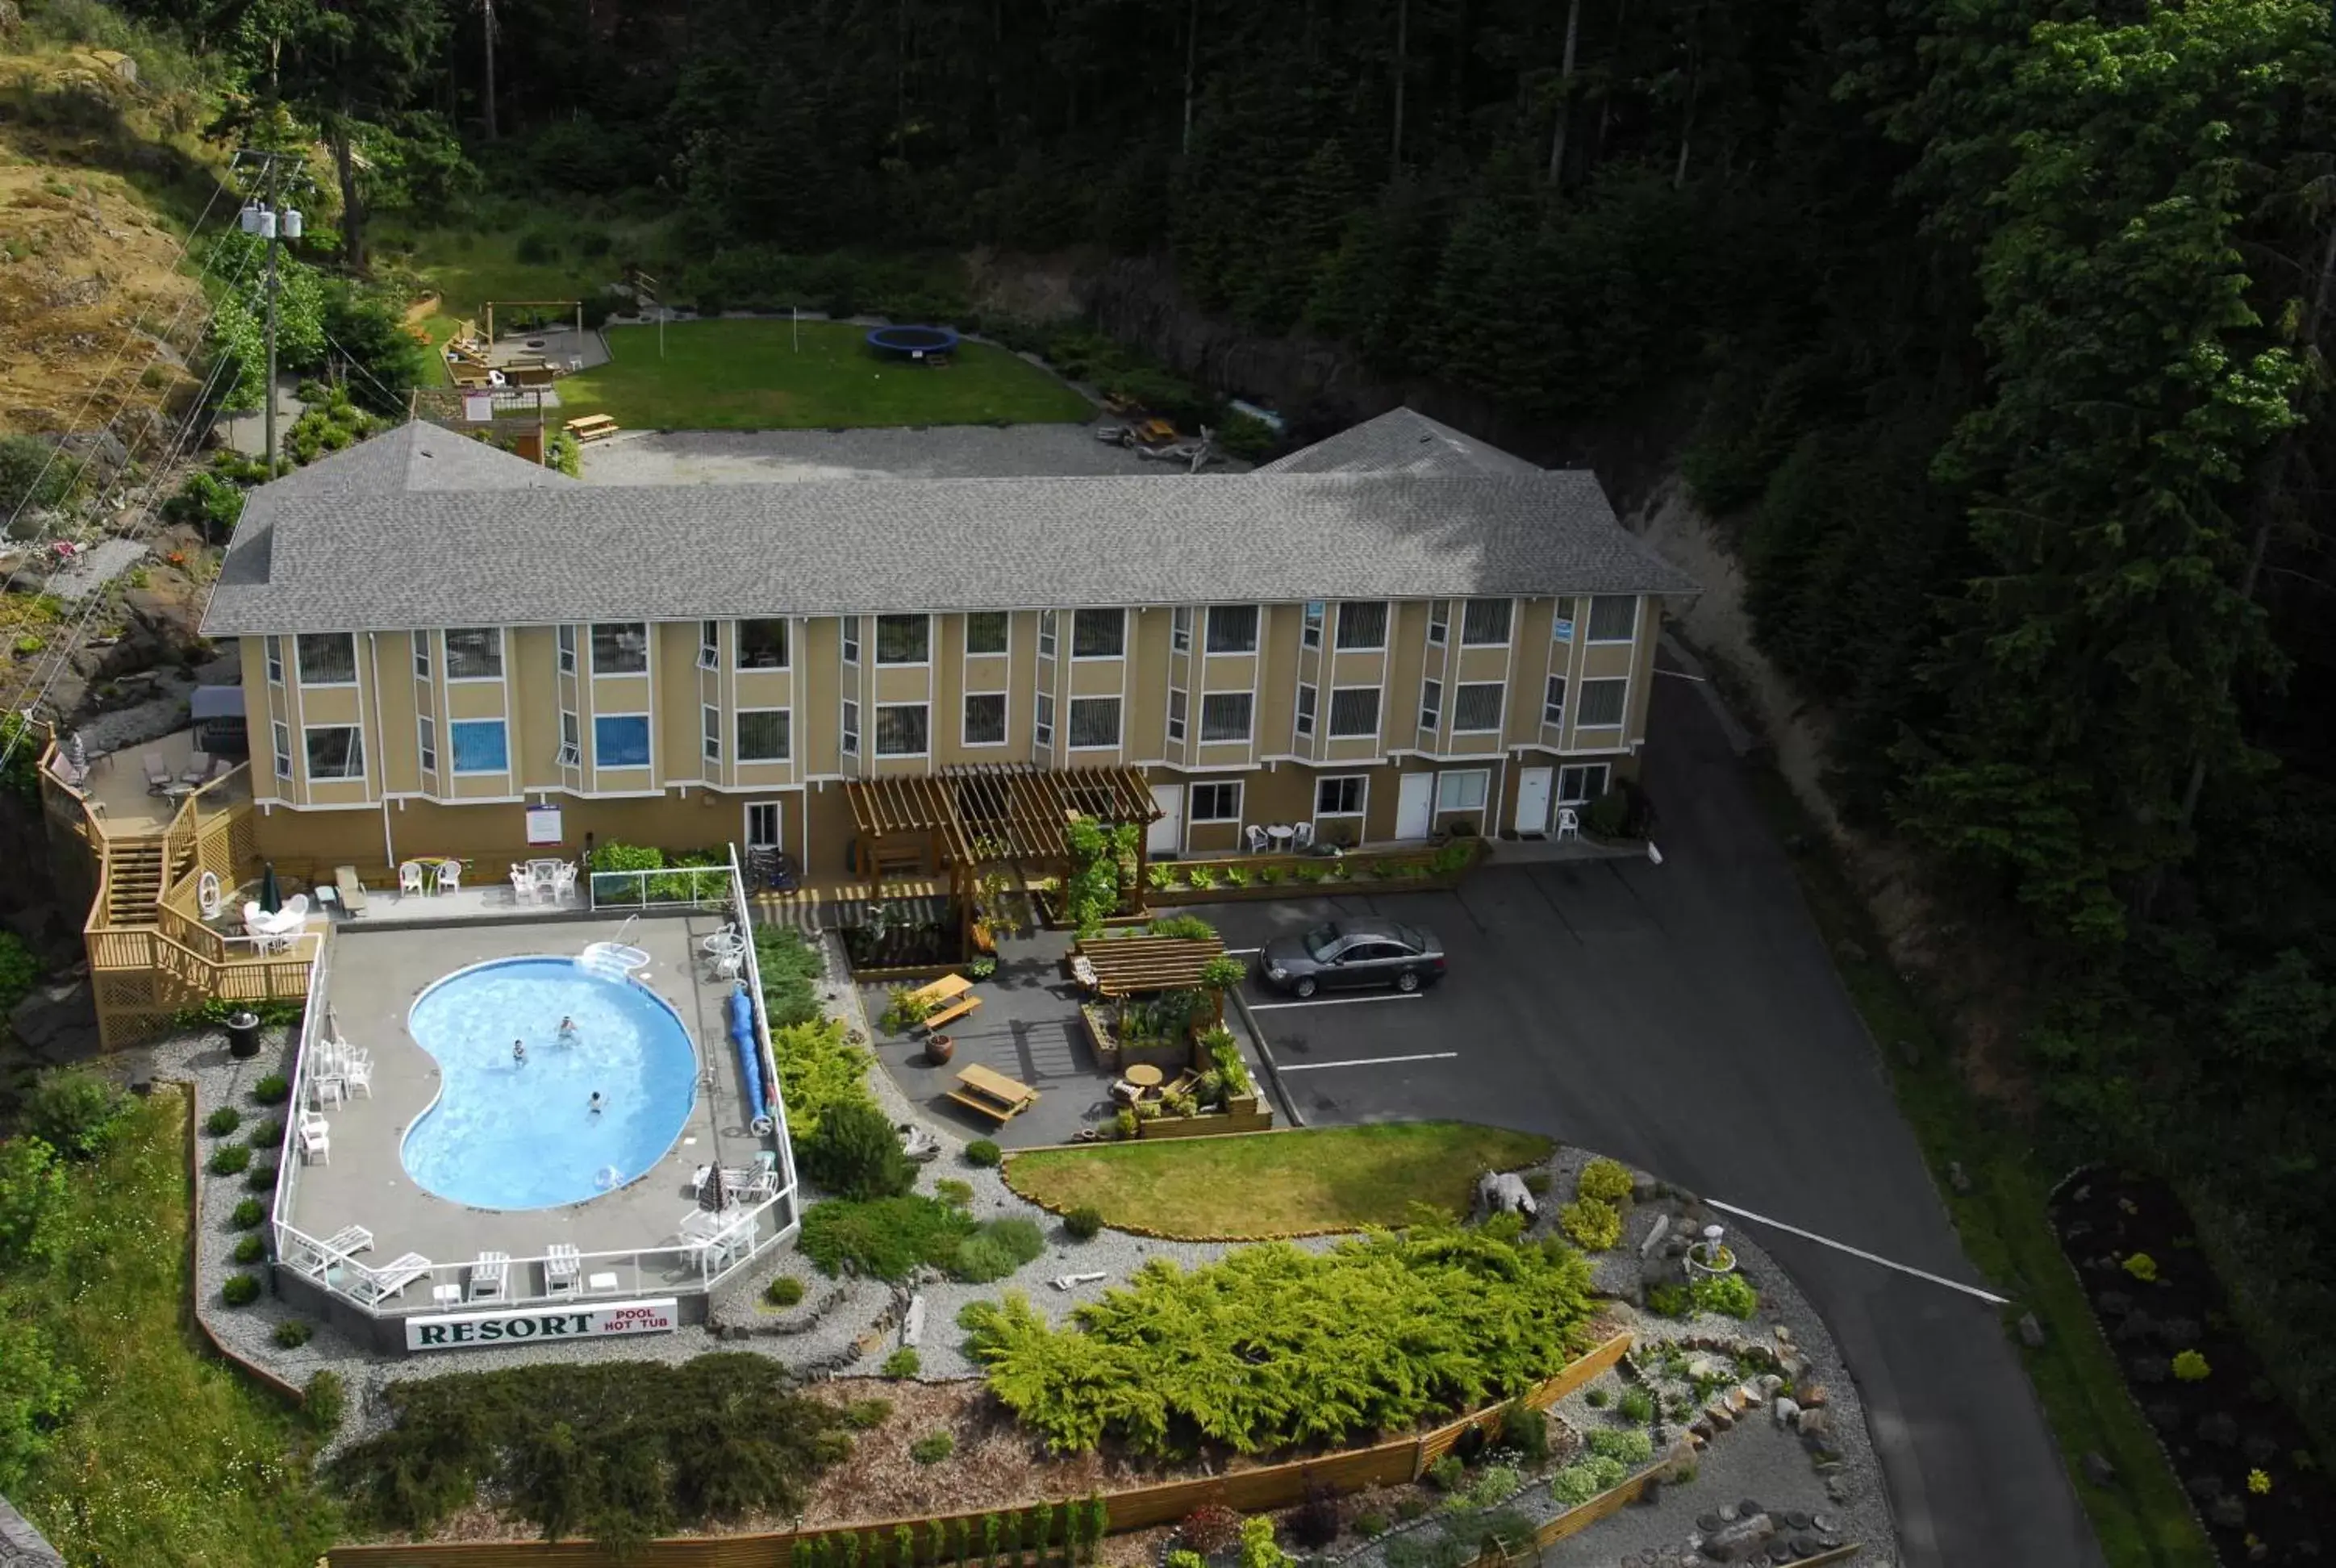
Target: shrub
1123 1123
2190 1367
1447 1473
293 1332
1526 1430
327 1400
819 1068
1578 1482
981 968
1635 1405
1225 1061
956 1193
249 1211
1209 1529
1369 1527
997 1250
1314 1523
985 1153
271 1090
1536 1182
240 1290
1183 927
1496 1485
932 1447
1730 1295
228 1159
2142 1267
1408 1508
867 1415
73 1112
785 1290
856 1154
1589 1224
1608 1181
1083 1224
903 1362
249 1250
261 1178
905 1010
1668 1301
223 1121
884 1238
1627 1443
268 1134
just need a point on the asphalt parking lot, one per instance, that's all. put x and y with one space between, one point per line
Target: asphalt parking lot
1686 1017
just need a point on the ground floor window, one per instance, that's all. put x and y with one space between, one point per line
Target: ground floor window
1217 802
1461 792
1341 797
336 751
620 740
762 825
481 746
1582 783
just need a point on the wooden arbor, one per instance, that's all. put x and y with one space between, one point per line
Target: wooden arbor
1127 965
977 814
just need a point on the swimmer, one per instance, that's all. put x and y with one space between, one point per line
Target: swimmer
518 1053
567 1034
596 1102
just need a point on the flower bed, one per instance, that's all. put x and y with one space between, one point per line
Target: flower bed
2242 1454
1229 878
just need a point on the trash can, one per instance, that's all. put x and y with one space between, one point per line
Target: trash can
243 1034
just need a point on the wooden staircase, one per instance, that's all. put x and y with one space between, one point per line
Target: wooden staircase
134 881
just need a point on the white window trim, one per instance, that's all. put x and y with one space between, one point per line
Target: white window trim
965 636
1239 790
1431 710
1312 618
1557 720
315 778
1330 717
1363 806
648 724
572 752
1005 725
565 640
1500 710
457 770
1119 730
421 655
1078 657
709 644
1508 635
1042 723
1180 714
502 658
1386 615
738 648
848 636
1589 681
883 663
738 744
1256 632
709 733
272 651
1583 768
1180 629
1303 720
302 665
1439 621
283 739
1485 784
847 734
425 743
877 750
1049 634
1249 727
1636 612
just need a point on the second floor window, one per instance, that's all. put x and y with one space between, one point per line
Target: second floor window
1310 630
566 636
1439 619
986 631
481 746
903 639
1485 622
1095 722
1046 634
620 740
571 748
766 734
422 655
1042 722
1306 697
336 751
1177 712
1233 629
900 729
709 644
474 653
620 646
1553 702
710 735
1224 716
1601 704
1476 708
276 664
762 645
1362 623
1431 704
1180 629
1098 633
851 624
1355 711
1613 618
328 659
849 742
985 718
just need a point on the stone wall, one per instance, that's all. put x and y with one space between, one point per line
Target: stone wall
21 1546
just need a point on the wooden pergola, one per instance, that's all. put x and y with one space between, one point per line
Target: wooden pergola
1127 965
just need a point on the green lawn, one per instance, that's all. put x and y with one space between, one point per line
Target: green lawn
1278 1183
164 1457
2141 1518
750 375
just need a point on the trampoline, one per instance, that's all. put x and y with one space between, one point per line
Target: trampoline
912 342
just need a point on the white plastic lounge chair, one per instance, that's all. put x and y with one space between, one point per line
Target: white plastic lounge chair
409 878
450 877
313 1257
1257 839
489 1275
374 1286
563 1269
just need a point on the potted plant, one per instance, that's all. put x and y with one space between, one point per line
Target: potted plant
940 1048
1710 1257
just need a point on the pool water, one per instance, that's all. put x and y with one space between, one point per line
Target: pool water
510 1135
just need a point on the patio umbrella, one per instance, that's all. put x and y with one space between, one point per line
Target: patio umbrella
271 897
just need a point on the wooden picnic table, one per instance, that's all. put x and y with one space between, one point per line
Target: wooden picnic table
942 989
993 1095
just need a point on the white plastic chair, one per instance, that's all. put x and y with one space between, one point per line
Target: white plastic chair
564 880
356 1072
1569 822
450 876
1301 837
409 878
210 897
1257 839
523 886
316 1141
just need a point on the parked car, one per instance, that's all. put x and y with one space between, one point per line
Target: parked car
1353 953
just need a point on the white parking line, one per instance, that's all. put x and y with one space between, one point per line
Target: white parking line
1859 1252
1241 953
1369 1061
1340 1001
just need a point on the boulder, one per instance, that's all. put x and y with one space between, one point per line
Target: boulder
2032 1332
2095 1467
1505 1193
1785 1410
57 1023
1741 1541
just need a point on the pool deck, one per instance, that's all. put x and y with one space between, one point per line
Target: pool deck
377 972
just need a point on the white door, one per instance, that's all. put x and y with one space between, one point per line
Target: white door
1533 800
1167 835
763 829
1415 806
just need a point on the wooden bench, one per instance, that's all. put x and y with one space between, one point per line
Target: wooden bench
592 427
993 1095
957 1010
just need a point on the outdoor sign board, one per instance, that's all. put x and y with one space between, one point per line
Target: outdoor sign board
1563 632
459 1330
543 824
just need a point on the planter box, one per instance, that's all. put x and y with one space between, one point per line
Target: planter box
1292 887
1206 1125
1167 1055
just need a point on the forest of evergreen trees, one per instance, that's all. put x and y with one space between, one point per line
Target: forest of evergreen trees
2006 318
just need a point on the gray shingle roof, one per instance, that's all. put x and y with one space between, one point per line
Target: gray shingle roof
335 556
1401 441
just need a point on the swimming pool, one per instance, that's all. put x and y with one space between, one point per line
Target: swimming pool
512 1135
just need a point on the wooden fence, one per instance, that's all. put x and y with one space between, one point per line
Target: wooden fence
1137 1508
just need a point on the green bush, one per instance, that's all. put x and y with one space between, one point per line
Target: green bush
1589 1224
228 1160
867 1415
1577 1484
73 1112
261 1178
1635 1405
1670 1301
904 1009
983 1152
1605 817
903 1362
293 1332
248 1213
1183 927
1370 1526
1607 1181
268 1134
1084 1223
785 1290
1525 1430
997 1249
249 1250
326 1400
1496 1485
1225 1061
271 1090
1730 1295
2189 1366
884 1239
1630 1445
932 1448
240 1290
818 1069
957 1194
223 1121
1447 1473
33 474
856 1154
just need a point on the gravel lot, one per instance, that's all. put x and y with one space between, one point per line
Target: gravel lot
934 451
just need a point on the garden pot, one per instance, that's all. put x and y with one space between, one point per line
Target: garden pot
243 1034
1708 1260
939 1049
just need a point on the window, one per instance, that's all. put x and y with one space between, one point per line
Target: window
425 733
1095 722
1305 708
571 750
1485 621
903 639
762 645
1439 621
283 748
709 644
766 734
1177 712
1583 782
1224 716
336 751
1217 802
480 745
1355 710
709 735
1613 618
1233 629
985 718
567 651
328 659
1099 634
620 740
422 655
1340 797
1180 629
1461 792
762 825
1601 704
1431 704
1046 634
1552 701
1310 630
851 740
851 625
276 661
986 631
1476 708
1560 620
1042 723
1363 624
621 648
474 653
901 729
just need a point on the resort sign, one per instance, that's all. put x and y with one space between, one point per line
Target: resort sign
460 1329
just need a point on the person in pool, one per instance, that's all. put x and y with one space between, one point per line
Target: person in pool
518 1053
596 1102
567 1034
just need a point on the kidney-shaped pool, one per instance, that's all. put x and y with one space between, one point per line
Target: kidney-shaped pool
511 1133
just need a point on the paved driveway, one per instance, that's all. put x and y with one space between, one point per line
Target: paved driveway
1687 1019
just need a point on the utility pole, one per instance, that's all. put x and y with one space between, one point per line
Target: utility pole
489 7
268 218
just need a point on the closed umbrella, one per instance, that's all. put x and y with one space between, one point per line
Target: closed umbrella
271 897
